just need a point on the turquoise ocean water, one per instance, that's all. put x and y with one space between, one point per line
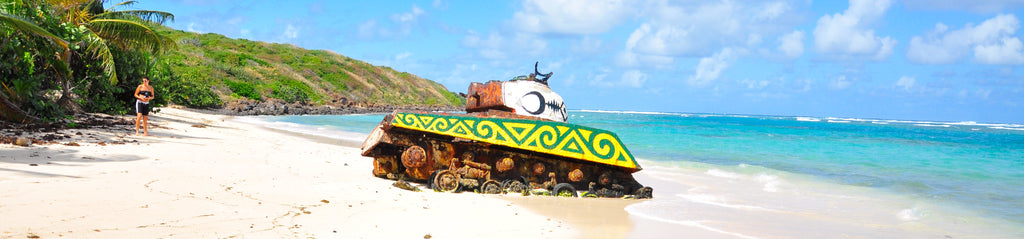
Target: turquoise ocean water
967 167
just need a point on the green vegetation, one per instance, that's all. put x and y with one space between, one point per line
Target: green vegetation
76 55
72 56
239 68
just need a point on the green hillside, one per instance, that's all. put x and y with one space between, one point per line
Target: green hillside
208 69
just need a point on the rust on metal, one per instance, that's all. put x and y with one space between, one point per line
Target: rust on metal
470 172
538 168
414 157
415 160
384 165
482 166
482 97
505 164
576 175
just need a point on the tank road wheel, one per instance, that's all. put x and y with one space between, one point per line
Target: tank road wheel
564 190
491 187
415 159
515 186
430 180
645 193
445 181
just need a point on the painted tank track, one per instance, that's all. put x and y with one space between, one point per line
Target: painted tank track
448 163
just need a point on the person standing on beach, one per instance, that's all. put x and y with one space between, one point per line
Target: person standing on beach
143 93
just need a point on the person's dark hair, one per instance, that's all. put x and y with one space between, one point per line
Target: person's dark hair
145 78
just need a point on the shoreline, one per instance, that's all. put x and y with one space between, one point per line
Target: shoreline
202 175
206 174
722 201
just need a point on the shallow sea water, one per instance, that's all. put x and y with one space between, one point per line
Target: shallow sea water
774 176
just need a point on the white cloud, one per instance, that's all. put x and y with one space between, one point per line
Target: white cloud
630 58
408 17
709 68
792 44
401 25
588 44
634 78
631 78
671 29
992 42
1008 51
848 34
403 56
755 84
291 32
192 28
571 16
840 83
906 82
463 74
500 47
978 6
440 4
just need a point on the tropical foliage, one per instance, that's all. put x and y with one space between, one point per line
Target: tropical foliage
73 55
69 56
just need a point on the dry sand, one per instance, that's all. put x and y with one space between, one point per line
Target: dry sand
227 179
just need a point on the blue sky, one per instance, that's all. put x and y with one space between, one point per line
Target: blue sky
913 59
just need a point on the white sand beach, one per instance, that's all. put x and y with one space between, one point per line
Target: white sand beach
210 176
205 176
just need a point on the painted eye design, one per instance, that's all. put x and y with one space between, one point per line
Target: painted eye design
533 103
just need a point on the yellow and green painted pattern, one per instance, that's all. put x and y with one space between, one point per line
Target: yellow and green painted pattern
568 140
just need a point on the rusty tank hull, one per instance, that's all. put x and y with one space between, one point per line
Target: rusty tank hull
513 138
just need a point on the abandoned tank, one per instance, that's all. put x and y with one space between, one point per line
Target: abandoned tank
512 138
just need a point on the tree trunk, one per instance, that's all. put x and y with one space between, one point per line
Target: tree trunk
69 105
12 113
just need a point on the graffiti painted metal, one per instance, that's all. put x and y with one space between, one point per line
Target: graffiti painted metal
562 139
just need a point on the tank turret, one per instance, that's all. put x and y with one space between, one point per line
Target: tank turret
523 95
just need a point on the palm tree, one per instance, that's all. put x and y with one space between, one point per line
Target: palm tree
110 27
104 28
101 29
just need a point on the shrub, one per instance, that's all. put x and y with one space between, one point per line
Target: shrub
242 89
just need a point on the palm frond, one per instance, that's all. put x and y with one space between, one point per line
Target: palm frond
125 3
19 24
146 15
127 34
100 50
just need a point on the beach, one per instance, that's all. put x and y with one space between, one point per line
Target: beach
205 176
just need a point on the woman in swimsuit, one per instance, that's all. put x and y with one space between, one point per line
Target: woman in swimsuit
143 93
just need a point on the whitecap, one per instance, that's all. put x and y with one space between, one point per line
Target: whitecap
722 173
1007 128
807 119
771 182
909 214
932 125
